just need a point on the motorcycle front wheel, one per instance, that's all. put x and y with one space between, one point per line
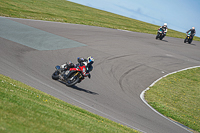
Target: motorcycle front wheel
72 79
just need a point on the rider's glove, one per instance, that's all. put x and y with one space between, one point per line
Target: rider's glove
85 63
63 66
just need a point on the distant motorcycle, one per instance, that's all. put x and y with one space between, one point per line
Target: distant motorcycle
70 76
160 34
188 38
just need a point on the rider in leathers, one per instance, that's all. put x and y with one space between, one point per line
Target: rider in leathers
164 27
193 32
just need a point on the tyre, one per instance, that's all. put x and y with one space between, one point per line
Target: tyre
55 75
191 40
156 36
72 79
185 41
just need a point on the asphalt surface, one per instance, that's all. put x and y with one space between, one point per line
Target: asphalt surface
126 63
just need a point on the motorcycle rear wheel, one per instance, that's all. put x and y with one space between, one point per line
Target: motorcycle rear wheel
55 75
191 39
157 36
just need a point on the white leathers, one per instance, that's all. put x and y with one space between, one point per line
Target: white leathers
63 65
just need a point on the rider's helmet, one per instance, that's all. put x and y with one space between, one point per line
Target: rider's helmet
165 24
193 28
90 60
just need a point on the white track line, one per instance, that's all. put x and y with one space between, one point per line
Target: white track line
142 96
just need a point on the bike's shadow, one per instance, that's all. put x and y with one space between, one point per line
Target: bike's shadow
80 89
193 44
84 90
164 40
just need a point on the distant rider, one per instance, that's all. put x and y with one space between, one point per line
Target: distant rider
193 32
164 27
81 61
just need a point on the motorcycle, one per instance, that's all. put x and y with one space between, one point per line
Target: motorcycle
160 34
188 38
70 76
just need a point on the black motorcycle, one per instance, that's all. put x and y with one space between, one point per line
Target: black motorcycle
160 34
188 38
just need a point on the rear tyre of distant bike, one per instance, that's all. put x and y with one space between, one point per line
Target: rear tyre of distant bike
185 41
190 41
55 75
157 36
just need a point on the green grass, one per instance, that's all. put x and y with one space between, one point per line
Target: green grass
68 12
24 109
178 96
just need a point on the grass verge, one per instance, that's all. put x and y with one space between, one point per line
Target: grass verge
69 12
25 109
178 96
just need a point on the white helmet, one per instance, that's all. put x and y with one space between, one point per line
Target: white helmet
165 24
90 60
193 28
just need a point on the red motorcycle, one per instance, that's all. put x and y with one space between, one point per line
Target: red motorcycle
70 76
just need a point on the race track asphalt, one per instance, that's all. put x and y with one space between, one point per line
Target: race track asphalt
126 63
